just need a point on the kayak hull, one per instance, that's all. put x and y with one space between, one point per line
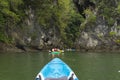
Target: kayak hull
55 52
56 69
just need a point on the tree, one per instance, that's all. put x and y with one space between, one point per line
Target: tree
9 16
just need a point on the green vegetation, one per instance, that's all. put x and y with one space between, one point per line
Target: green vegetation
91 17
112 33
9 17
62 15
73 28
118 8
107 9
117 41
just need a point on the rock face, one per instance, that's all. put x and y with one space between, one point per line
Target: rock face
96 35
100 35
100 29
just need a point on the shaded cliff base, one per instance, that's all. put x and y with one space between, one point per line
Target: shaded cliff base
22 48
17 48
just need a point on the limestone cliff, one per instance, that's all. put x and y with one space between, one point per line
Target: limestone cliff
42 24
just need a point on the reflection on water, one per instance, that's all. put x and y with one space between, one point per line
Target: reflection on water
87 66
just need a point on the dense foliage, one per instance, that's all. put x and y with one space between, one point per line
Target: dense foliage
10 15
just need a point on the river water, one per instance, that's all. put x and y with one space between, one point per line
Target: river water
87 66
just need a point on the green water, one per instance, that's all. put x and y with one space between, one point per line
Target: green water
87 66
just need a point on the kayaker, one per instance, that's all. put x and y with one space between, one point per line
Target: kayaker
54 49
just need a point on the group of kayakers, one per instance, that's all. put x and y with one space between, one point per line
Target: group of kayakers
55 51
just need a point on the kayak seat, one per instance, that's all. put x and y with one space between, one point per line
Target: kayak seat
61 78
